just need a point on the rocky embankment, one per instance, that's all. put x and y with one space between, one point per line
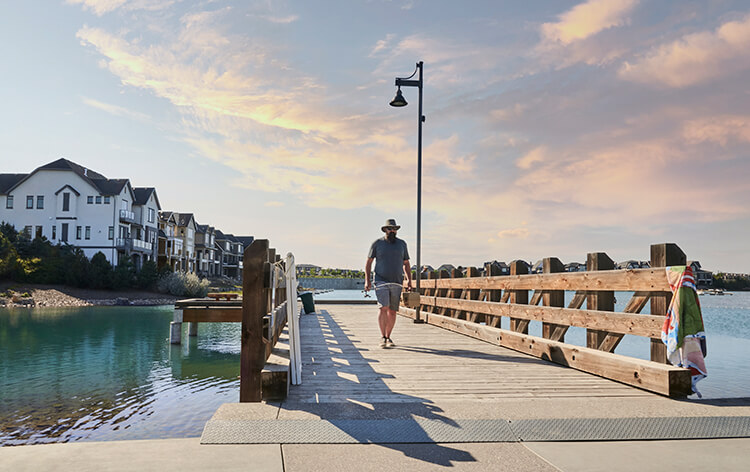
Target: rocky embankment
55 296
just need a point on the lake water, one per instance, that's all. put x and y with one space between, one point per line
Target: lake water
106 373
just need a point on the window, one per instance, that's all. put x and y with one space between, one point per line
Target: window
29 201
54 232
98 199
27 232
78 232
106 200
88 232
66 204
111 232
38 232
90 200
64 233
151 215
40 202
9 202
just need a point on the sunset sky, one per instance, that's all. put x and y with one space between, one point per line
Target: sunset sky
554 128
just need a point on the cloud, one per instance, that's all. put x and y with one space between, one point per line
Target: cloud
694 58
587 19
116 110
274 204
102 7
536 155
381 44
718 129
284 20
520 233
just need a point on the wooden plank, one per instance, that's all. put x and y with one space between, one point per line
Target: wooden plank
637 302
602 301
663 255
625 323
254 303
492 295
212 315
553 298
578 299
517 269
445 292
652 376
536 297
472 294
624 280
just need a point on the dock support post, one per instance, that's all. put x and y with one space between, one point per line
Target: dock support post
175 328
193 328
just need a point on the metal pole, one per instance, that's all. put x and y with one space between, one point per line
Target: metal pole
419 195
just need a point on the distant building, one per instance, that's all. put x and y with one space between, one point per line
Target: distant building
71 204
703 278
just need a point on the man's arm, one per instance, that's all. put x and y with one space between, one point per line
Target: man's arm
407 269
368 270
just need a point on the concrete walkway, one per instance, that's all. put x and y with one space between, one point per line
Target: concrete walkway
186 455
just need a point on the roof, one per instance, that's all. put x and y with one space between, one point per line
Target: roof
8 181
183 219
245 240
201 228
104 185
142 194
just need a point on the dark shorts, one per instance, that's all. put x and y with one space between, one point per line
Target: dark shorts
388 294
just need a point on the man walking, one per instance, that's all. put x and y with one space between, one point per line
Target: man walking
392 262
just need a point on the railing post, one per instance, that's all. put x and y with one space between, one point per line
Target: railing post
491 270
444 293
554 298
663 255
519 297
254 308
472 294
599 300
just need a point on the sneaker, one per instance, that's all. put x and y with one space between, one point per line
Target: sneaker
389 342
383 342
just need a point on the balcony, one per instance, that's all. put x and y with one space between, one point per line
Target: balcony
127 216
129 244
142 246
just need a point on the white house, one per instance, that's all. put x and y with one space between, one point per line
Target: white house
146 227
68 203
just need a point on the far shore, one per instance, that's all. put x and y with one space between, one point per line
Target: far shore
41 296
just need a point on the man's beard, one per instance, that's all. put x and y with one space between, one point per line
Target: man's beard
390 237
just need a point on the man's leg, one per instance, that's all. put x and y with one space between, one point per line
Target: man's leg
390 321
383 321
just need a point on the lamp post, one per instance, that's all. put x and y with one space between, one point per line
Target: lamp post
399 101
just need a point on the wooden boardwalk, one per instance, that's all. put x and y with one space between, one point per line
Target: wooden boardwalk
342 362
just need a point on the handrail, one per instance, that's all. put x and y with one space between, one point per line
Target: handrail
475 304
620 280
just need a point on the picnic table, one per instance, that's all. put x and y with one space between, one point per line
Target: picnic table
220 295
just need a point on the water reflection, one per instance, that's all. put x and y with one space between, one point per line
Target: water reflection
109 373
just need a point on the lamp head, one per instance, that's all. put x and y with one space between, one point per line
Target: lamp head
399 100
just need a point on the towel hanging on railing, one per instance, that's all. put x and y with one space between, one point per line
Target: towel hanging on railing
683 331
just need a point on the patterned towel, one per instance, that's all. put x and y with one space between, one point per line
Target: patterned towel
683 328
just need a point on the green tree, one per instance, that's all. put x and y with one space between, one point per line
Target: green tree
148 275
100 274
124 275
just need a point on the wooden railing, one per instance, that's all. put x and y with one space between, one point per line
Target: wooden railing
262 310
474 305
263 300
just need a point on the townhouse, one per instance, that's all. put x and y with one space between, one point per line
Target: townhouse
71 204
67 203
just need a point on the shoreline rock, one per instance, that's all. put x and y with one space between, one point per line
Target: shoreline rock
48 297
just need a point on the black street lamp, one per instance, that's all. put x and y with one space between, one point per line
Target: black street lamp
400 101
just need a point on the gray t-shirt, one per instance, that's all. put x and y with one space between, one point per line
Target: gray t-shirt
389 260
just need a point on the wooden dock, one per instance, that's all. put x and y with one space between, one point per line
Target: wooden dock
342 362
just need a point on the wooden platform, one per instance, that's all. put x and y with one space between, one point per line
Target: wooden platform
342 362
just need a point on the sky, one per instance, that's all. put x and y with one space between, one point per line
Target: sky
553 128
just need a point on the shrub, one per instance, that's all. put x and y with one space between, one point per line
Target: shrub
147 277
181 284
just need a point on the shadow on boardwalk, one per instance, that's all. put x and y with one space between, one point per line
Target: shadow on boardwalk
338 381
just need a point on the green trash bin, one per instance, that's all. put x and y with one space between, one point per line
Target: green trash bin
307 302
